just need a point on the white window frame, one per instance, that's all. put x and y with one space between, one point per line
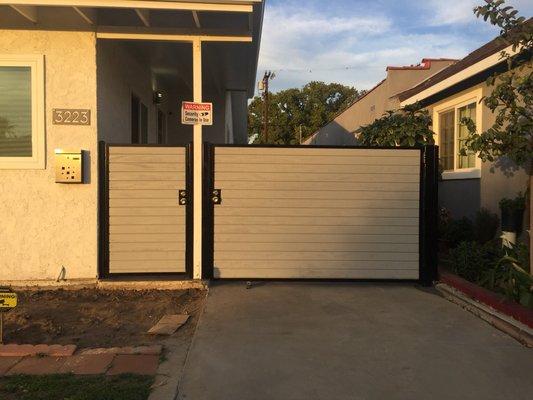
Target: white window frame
473 96
38 139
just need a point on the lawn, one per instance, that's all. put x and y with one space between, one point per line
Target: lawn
71 387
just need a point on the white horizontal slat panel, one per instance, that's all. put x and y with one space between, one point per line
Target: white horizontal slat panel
146 223
317 213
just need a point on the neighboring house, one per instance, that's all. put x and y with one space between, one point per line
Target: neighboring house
73 73
454 93
376 102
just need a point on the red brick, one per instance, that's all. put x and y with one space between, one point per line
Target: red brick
43 349
89 364
17 350
57 350
7 362
140 364
37 366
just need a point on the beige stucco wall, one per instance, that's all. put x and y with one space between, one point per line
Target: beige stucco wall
45 226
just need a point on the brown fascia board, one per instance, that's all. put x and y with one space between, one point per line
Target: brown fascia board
488 49
425 64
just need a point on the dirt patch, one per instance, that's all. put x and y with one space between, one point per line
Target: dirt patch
98 318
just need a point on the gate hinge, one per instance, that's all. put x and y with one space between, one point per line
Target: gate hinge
217 196
182 197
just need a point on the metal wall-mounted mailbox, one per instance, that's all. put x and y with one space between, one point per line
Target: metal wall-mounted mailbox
69 166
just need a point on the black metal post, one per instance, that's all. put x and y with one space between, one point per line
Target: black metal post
208 228
429 215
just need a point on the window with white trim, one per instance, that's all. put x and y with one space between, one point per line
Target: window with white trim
21 112
452 138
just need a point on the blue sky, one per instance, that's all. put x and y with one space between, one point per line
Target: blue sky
353 41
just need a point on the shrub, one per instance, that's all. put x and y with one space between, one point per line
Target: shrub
472 260
456 231
510 275
486 226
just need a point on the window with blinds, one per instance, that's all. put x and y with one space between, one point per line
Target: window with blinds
15 111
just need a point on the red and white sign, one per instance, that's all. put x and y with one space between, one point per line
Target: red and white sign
196 113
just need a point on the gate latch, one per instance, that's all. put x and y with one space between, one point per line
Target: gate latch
217 196
182 197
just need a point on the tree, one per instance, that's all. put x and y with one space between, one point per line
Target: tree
290 110
409 126
511 99
6 128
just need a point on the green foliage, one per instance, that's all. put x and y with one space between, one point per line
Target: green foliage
310 108
510 275
511 98
472 260
6 128
502 270
407 127
456 231
71 387
516 204
486 226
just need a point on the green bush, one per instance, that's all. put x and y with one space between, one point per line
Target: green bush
456 231
472 260
486 226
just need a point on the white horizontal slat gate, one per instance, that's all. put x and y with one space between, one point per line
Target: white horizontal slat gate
306 212
146 222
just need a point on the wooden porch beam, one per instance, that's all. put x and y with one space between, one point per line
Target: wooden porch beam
28 12
89 15
190 5
175 35
196 18
144 16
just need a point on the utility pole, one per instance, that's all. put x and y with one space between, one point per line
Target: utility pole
263 86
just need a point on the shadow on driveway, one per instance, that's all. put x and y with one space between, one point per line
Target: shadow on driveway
304 341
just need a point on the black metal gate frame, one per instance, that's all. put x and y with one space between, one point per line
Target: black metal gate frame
428 208
103 214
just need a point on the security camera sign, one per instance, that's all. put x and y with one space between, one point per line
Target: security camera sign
196 113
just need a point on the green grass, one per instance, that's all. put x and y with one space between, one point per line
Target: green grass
72 387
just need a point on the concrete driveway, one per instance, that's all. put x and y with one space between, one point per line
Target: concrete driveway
305 341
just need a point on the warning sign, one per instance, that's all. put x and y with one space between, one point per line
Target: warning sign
8 299
196 113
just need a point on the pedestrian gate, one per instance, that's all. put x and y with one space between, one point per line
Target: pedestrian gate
273 212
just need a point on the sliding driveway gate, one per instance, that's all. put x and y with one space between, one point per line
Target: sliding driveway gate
304 212
271 212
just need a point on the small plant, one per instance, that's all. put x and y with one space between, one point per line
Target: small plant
511 276
486 226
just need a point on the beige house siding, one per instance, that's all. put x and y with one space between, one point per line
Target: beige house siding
44 225
375 104
465 196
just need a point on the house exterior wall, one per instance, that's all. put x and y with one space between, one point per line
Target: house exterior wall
45 225
374 105
463 196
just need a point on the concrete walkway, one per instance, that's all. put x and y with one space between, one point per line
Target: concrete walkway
305 341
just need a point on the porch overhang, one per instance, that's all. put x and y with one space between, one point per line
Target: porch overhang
219 21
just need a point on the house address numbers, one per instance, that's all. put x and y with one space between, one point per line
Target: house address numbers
71 116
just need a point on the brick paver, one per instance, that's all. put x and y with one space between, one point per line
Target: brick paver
89 364
141 364
37 366
24 350
7 362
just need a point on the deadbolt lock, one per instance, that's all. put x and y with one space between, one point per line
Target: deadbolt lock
217 196
182 197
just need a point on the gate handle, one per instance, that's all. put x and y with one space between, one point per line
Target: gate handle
217 196
182 197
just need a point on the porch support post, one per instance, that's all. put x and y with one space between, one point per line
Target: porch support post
198 162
